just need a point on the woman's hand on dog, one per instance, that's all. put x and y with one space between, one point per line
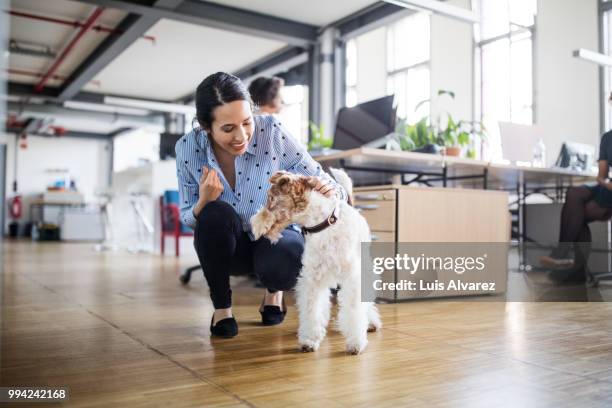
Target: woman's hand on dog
324 187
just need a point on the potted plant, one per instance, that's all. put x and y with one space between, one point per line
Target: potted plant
454 137
417 136
318 140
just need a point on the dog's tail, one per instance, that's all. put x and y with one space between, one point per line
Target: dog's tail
344 180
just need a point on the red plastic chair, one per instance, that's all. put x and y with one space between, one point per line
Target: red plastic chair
171 225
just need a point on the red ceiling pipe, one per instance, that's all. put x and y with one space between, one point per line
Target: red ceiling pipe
71 23
24 72
32 74
88 24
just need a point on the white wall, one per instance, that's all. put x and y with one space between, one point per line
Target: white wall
567 89
371 65
452 64
86 159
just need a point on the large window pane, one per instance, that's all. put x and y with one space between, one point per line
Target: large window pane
396 85
408 42
417 90
522 12
521 81
496 80
351 63
495 18
607 26
292 115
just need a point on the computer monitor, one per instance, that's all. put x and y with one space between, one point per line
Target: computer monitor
364 123
576 156
167 141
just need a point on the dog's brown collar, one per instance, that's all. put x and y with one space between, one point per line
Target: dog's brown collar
329 221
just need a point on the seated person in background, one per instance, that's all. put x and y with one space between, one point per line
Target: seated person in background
266 94
583 205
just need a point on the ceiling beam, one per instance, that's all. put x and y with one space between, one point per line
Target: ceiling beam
132 27
278 58
222 17
369 18
270 61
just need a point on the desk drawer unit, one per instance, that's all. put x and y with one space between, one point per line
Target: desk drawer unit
378 207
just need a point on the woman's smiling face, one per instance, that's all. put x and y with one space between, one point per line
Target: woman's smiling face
232 127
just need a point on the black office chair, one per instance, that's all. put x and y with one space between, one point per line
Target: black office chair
186 275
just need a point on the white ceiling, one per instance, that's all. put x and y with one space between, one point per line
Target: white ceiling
181 57
54 35
316 12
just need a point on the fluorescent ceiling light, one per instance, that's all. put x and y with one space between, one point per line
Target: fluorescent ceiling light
155 106
592 56
439 7
97 107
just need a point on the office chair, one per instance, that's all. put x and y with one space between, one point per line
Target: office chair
186 275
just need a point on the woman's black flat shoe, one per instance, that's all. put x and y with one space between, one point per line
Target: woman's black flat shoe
273 315
225 328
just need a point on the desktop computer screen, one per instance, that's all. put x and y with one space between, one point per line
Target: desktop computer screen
364 123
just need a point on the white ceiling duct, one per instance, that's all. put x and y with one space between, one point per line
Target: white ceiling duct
155 106
100 122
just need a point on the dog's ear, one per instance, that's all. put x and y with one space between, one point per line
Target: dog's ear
281 179
309 181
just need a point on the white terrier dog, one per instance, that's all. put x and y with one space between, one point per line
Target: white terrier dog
333 232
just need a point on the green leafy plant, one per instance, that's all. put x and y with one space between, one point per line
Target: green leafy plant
453 134
413 136
318 140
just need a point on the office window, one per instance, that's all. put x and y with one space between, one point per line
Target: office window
135 148
408 56
351 73
607 82
294 114
504 60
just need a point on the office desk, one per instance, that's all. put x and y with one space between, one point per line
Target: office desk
424 168
429 169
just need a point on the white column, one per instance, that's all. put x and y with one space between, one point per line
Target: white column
327 86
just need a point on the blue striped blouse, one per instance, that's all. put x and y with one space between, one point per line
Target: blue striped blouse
270 149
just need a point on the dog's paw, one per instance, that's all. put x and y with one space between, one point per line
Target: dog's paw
373 328
261 223
308 346
356 348
274 236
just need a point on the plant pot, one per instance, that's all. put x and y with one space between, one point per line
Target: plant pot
452 150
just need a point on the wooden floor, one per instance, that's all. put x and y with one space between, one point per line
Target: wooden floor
119 330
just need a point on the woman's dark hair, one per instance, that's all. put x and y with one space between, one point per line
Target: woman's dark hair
215 90
264 90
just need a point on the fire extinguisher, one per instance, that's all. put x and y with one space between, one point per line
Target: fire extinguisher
15 207
15 211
